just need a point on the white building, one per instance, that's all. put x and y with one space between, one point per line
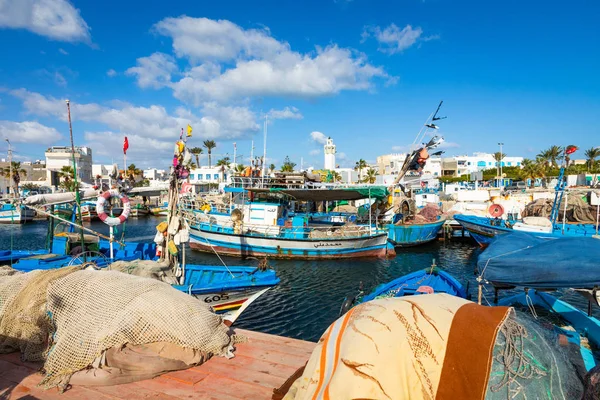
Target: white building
329 150
464 165
153 174
61 156
209 175
102 169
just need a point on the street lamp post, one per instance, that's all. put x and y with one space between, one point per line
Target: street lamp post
501 158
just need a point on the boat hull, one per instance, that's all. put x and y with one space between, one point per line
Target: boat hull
16 216
413 235
282 248
484 232
231 303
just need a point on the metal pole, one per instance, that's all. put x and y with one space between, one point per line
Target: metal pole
264 164
77 199
501 158
10 177
234 154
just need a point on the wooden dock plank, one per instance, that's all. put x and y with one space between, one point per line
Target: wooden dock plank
259 365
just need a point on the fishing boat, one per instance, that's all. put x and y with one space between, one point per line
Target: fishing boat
519 260
485 229
160 211
408 235
64 210
11 256
139 210
88 211
426 281
576 325
12 213
229 291
259 226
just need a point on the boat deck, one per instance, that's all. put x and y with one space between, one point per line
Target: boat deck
260 365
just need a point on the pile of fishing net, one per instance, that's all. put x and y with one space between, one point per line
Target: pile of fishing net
345 231
159 270
429 213
437 346
105 327
577 210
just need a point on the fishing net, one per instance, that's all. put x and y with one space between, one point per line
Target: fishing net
577 210
534 359
24 324
93 311
147 269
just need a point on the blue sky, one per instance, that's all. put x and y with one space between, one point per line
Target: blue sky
366 73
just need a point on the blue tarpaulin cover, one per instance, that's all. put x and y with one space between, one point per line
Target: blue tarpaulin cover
520 259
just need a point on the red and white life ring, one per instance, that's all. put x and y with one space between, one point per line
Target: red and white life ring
112 221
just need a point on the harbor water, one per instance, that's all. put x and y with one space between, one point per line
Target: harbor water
310 293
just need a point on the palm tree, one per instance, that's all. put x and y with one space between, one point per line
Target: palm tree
133 172
371 176
209 144
223 163
17 171
531 169
591 155
551 154
68 181
240 168
196 151
288 166
499 157
336 176
272 167
360 165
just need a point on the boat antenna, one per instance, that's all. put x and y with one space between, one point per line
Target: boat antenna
77 198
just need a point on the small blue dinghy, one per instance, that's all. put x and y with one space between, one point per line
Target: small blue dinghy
426 281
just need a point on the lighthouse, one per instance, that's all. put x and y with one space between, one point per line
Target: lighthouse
329 150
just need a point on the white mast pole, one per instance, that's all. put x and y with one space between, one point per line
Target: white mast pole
10 177
264 163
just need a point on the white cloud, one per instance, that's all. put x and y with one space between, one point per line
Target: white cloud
341 156
59 79
227 61
286 113
111 73
219 40
318 137
63 52
217 122
447 145
315 152
153 71
28 132
400 149
395 40
55 19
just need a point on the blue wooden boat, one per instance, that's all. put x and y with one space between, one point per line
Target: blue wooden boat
584 325
484 229
11 256
426 281
229 290
408 235
430 280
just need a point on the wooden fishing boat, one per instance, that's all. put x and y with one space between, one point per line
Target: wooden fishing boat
139 210
426 281
409 235
88 211
11 213
160 211
11 256
585 325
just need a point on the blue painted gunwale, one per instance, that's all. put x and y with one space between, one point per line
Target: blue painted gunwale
583 324
413 235
484 232
407 285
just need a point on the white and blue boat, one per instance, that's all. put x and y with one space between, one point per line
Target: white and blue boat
426 281
11 213
484 229
263 228
408 235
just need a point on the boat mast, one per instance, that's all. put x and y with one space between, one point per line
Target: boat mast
264 161
10 177
77 199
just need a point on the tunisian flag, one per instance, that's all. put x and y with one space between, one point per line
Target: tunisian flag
125 145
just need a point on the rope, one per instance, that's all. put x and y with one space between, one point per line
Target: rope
513 357
223 262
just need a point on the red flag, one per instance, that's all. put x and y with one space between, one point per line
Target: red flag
125 145
571 149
